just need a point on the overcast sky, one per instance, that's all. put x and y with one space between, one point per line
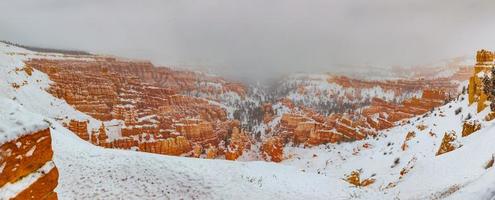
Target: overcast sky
257 38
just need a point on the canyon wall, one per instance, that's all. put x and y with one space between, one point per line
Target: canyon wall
150 103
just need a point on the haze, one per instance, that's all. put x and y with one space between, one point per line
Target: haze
257 39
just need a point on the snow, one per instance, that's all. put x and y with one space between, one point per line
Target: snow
31 151
15 123
3 167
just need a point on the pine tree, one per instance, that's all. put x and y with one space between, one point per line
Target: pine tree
489 88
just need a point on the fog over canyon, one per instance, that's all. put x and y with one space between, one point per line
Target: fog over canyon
257 40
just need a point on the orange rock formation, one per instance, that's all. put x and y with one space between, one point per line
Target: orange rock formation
448 143
156 114
470 127
273 149
29 155
483 67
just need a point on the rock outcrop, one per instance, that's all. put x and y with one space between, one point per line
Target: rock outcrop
273 149
355 179
239 142
449 143
26 167
470 127
483 67
410 135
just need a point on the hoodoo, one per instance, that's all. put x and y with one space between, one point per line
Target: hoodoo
483 67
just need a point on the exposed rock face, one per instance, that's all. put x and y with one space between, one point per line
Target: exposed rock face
354 179
239 141
449 143
156 114
170 146
470 127
490 116
410 135
80 128
211 152
28 161
483 67
273 149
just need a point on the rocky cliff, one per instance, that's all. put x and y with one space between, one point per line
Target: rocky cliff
151 105
26 167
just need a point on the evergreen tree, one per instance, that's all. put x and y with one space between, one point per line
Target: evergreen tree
489 88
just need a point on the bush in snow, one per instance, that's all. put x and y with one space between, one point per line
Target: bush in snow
458 110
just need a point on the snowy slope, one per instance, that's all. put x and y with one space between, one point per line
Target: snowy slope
430 176
89 172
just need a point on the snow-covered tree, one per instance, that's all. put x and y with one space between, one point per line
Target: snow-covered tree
489 88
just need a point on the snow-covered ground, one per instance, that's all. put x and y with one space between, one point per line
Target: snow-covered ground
91 172
429 176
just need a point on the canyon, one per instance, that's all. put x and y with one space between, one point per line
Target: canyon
172 112
108 122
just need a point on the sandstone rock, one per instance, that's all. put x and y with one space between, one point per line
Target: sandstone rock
25 156
421 127
43 188
80 128
409 136
490 116
211 152
470 127
170 146
273 149
239 141
484 65
197 150
448 143
354 179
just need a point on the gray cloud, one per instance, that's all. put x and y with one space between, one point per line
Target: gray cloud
257 39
